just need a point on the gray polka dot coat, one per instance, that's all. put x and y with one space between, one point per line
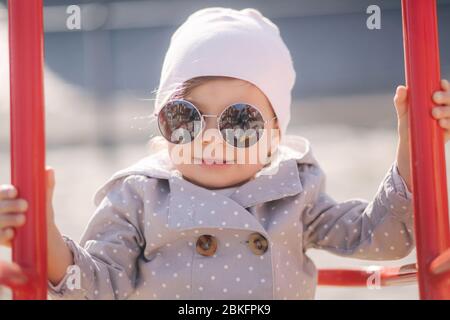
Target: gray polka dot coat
142 242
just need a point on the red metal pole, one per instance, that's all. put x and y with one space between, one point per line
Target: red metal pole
427 144
28 141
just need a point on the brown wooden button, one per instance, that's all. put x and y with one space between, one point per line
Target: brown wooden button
206 245
258 243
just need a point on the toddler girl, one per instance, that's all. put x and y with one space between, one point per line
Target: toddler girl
202 217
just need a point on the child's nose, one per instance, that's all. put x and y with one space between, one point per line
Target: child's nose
211 132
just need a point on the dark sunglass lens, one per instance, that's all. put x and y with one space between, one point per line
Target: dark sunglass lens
179 122
241 125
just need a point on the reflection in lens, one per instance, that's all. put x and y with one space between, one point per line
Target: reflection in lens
241 125
179 122
180 136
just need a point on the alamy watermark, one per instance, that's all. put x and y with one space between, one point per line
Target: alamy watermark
374 278
374 20
73 21
232 147
73 280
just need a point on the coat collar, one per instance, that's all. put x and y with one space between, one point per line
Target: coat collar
282 173
201 207
278 180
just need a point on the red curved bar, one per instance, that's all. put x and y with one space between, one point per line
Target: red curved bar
421 52
28 141
366 277
344 277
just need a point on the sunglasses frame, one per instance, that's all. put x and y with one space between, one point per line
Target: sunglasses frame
218 117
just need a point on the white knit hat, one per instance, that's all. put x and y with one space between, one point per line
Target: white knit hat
242 44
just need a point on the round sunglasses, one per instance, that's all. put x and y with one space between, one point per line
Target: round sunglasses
240 124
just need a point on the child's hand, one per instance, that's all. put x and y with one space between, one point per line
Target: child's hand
12 213
12 208
11 274
441 113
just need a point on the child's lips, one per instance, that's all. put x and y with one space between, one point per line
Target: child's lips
213 162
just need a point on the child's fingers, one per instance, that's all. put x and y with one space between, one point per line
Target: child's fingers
445 85
400 102
13 205
12 274
400 95
11 220
445 123
7 191
442 97
6 236
440 112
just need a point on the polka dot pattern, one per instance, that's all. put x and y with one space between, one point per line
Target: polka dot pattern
153 224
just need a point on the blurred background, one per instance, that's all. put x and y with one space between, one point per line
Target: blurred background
100 82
